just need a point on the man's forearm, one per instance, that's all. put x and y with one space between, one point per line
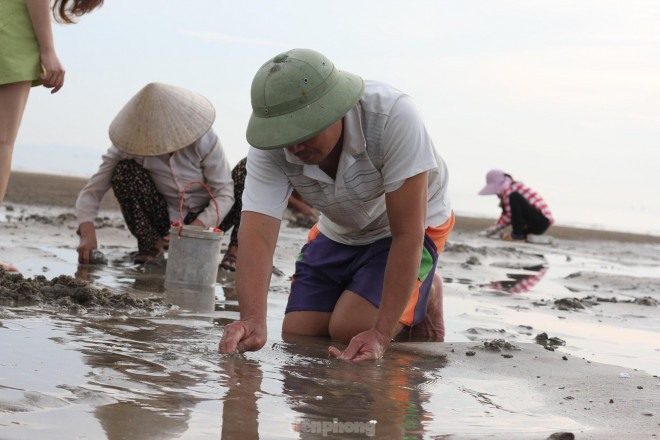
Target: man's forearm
254 263
252 283
406 210
401 275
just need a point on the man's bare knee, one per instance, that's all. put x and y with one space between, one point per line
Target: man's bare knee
306 323
342 333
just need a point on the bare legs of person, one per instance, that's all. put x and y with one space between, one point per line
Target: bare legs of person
13 98
8 266
432 327
354 314
154 253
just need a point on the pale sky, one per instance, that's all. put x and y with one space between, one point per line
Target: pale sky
563 94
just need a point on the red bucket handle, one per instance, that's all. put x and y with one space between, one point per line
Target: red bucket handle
217 209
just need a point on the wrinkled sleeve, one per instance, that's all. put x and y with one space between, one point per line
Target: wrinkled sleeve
89 198
217 176
267 187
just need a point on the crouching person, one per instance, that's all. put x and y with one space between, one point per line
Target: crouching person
358 152
161 141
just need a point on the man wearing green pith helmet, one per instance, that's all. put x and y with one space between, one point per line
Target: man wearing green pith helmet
357 151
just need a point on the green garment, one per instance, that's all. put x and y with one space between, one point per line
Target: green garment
19 47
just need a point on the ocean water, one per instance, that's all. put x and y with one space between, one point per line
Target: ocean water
616 204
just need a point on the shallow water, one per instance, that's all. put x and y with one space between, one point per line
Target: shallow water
125 377
159 376
620 333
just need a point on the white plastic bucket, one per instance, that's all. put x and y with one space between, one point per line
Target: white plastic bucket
193 257
194 254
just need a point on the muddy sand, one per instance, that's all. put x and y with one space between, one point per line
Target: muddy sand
541 340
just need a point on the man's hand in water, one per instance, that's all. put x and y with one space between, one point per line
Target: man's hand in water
243 336
364 346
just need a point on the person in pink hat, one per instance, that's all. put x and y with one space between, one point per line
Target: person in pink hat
522 208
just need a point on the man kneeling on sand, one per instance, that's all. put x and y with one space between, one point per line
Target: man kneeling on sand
162 140
358 152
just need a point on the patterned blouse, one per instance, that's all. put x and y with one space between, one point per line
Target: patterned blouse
530 195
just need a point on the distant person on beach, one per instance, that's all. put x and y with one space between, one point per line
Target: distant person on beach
357 151
161 141
28 59
522 208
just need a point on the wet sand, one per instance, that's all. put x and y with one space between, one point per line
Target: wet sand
540 339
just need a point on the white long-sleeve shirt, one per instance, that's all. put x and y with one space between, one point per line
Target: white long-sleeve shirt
204 160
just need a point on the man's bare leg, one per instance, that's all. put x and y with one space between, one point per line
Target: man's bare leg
353 315
306 323
432 327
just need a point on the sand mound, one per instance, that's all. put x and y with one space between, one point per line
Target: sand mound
71 293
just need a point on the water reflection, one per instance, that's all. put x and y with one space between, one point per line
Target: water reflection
155 372
329 399
240 416
384 398
519 283
148 279
160 371
162 378
127 420
156 369
197 300
89 272
123 273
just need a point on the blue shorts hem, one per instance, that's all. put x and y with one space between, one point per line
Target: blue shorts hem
306 309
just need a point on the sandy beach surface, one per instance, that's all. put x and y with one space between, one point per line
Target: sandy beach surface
543 341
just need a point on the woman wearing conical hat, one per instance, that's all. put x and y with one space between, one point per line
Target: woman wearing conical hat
161 141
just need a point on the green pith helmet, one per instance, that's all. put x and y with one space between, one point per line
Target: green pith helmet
296 95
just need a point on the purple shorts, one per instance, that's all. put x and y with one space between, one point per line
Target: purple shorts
325 269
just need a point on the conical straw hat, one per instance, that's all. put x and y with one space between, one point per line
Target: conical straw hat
161 119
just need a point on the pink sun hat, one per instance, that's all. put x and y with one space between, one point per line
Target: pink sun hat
496 181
